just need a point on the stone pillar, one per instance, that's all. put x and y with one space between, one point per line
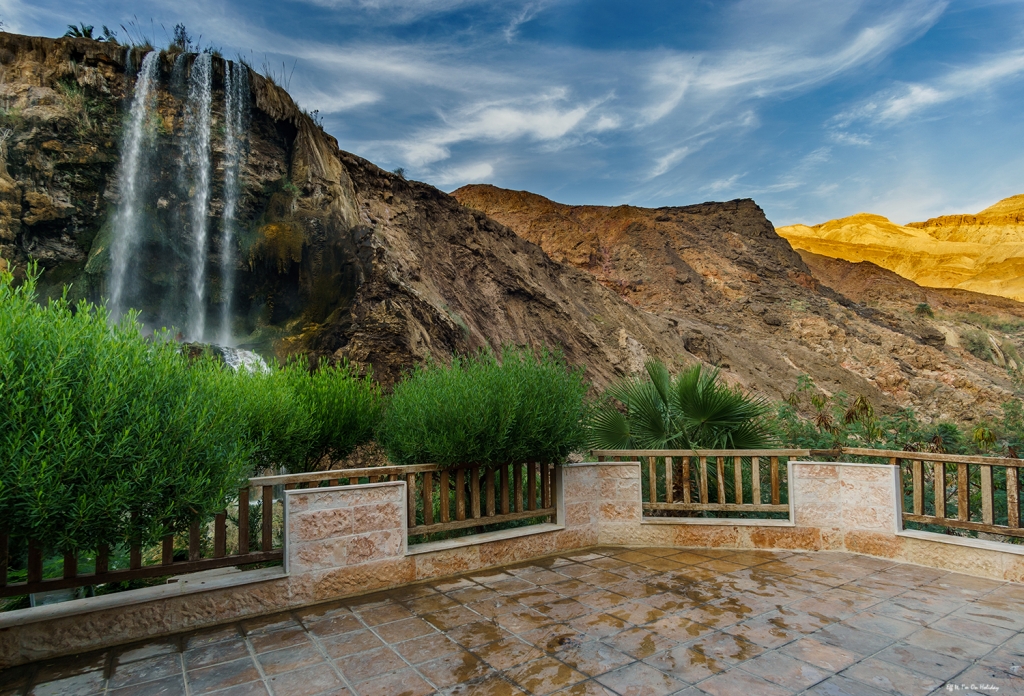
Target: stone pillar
346 540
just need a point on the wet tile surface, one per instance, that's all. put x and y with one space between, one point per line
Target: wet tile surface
604 621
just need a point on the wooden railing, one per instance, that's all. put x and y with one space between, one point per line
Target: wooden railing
952 491
447 500
751 482
215 557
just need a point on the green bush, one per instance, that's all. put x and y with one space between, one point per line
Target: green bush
924 310
108 437
977 343
299 419
482 410
694 410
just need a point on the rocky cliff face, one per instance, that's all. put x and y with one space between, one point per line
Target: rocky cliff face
983 252
740 297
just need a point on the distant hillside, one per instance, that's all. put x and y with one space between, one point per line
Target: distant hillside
982 252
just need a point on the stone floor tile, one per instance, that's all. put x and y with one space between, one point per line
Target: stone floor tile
576 570
565 609
736 681
534 597
477 593
71 666
639 642
146 651
815 652
375 616
973 630
720 566
570 587
345 644
491 608
726 648
883 625
145 670
686 664
967 584
924 661
544 675
426 648
555 638
288 659
591 687
286 638
632 556
370 664
842 686
883 588
432 603
688 557
453 669
451 584
982 675
601 599
948 644
633 589
406 682
210 636
322 612
168 686
598 625
785 671
215 653
594 658
995 613
892 678
636 612
447 619
315 679
494 685
522 620
257 688
405 629
513 585
679 628
507 653
907 610
331 626
83 684
267 624
478 633
1010 591
541 576
640 679
662 564
717 615
854 639
1007 659
223 675
634 572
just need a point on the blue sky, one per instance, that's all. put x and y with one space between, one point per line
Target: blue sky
815 109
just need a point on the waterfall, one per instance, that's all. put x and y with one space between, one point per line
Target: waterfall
236 112
195 164
132 182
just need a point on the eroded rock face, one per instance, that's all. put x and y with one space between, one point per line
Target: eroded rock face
740 297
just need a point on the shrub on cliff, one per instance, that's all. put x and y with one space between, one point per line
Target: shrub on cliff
694 410
485 410
300 419
107 437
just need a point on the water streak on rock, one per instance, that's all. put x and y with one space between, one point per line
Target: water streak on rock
236 125
195 163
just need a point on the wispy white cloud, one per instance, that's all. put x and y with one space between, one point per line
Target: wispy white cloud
465 174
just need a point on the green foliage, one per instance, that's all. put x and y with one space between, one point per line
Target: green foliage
482 410
82 31
296 417
977 343
992 323
924 310
108 437
694 410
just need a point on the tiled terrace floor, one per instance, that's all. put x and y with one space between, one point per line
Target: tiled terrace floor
605 621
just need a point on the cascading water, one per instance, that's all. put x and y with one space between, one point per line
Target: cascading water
195 165
236 111
127 220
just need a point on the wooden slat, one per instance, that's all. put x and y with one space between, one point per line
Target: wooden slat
987 512
102 560
545 485
243 521
444 497
410 499
669 493
194 552
268 519
489 505
652 480
291 486
134 557
220 535
939 486
1012 498
531 486
627 455
917 472
463 524
34 571
506 506
474 492
703 475
150 571
517 471
774 463
737 477
70 565
755 480
167 550
686 480
963 500
935 457
965 524
428 498
5 557
377 471
460 494
716 507
720 478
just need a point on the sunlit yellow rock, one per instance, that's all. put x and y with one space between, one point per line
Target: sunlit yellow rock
983 252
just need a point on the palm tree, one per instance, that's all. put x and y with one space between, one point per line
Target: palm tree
83 31
694 410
